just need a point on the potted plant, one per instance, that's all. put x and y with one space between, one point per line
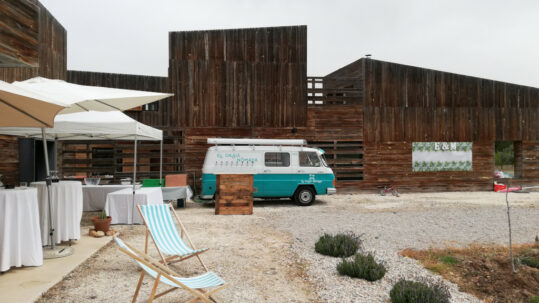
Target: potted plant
102 222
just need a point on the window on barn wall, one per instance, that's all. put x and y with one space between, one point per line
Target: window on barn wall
153 107
508 159
441 156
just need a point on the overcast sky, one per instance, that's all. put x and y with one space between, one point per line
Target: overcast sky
491 39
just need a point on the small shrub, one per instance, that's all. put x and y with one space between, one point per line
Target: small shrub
363 267
531 261
340 245
534 299
406 291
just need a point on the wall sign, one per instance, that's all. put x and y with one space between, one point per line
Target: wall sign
441 156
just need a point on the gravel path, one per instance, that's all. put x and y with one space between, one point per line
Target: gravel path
270 256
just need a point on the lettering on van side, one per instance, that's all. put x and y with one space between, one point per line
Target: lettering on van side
311 180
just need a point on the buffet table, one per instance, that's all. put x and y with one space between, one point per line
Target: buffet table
177 192
20 240
121 208
95 196
66 210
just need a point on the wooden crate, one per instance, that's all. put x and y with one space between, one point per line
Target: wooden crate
234 195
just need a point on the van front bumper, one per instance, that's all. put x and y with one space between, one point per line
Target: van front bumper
331 191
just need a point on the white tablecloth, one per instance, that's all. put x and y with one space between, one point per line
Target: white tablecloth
177 192
66 210
20 240
95 196
120 204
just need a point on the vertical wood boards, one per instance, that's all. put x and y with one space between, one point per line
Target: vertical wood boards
239 77
52 52
161 118
9 155
19 33
51 58
405 103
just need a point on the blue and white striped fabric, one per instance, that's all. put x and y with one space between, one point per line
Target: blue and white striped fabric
164 231
209 279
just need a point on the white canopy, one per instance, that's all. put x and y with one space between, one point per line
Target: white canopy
91 125
86 98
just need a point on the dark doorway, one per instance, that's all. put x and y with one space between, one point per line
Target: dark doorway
40 170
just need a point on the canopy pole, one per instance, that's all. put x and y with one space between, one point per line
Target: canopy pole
134 177
135 165
48 182
161 164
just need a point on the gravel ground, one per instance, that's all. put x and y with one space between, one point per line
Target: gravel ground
270 256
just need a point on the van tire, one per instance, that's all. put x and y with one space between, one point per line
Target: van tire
304 196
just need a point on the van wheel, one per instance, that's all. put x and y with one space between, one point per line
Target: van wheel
304 196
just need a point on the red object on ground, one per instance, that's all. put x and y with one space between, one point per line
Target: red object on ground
510 189
499 187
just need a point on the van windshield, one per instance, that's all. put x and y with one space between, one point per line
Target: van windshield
309 159
323 159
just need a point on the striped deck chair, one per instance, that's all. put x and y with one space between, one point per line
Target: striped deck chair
197 286
169 242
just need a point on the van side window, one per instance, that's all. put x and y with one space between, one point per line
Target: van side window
277 159
309 159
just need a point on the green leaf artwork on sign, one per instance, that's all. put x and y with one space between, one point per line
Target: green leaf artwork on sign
441 156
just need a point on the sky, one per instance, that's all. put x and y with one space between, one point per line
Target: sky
494 39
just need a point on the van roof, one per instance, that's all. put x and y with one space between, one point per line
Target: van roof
262 148
240 141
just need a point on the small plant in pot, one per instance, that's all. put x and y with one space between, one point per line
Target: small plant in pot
102 222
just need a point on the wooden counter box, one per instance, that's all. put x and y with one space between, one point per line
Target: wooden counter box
234 194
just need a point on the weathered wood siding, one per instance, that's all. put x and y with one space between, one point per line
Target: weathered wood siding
52 52
9 163
404 104
52 59
239 77
161 118
19 33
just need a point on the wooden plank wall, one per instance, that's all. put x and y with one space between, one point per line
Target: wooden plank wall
239 77
52 54
75 158
19 33
405 104
161 118
9 163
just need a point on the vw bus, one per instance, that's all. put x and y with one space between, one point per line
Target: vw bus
280 168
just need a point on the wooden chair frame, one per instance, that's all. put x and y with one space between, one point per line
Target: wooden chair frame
183 234
200 294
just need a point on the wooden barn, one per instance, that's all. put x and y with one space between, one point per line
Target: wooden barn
32 43
374 119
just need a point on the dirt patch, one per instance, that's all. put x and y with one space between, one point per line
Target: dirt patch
484 271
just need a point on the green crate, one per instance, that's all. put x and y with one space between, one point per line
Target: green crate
152 182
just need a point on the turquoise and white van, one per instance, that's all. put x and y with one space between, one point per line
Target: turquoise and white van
281 168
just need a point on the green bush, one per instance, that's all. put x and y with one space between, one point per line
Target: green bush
363 267
534 299
531 261
406 291
340 245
